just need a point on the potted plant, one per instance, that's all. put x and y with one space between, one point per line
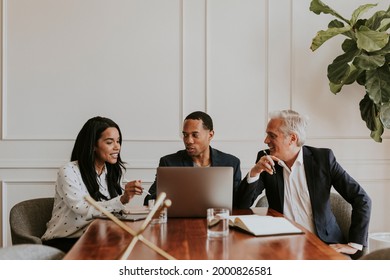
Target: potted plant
365 60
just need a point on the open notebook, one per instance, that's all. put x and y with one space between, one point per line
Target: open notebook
264 225
122 216
129 214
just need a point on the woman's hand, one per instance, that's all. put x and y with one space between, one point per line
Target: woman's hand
131 189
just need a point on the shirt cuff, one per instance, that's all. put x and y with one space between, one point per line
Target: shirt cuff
118 204
356 246
250 179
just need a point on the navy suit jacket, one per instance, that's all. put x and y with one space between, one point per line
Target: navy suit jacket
322 172
218 158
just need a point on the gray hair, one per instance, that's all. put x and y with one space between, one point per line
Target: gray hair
293 122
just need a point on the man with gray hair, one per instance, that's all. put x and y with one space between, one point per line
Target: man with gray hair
298 180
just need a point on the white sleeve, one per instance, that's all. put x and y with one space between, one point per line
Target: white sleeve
251 180
73 191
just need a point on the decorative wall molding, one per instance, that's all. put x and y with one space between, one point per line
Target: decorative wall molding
152 164
55 164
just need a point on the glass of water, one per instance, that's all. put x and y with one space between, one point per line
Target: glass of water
217 222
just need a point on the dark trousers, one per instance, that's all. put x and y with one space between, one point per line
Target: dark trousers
64 244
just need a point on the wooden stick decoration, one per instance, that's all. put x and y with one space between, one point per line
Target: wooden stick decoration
167 203
137 235
160 204
158 207
130 248
160 200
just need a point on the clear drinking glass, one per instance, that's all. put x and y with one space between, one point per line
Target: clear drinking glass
162 218
217 222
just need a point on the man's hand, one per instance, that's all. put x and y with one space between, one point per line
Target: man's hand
344 248
265 163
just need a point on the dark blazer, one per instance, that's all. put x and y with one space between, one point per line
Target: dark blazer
218 158
322 172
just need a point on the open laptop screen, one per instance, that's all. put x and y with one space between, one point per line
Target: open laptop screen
193 189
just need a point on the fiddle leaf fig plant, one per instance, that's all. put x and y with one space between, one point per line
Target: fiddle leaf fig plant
365 60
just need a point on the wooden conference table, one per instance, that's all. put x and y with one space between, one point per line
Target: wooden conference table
186 239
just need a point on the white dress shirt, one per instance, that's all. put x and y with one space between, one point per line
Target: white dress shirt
297 205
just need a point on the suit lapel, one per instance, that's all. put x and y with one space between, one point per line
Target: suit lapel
280 185
186 159
309 164
274 188
213 158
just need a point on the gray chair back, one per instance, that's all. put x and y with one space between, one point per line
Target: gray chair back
28 220
263 202
342 211
381 254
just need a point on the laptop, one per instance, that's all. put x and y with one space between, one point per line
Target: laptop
194 189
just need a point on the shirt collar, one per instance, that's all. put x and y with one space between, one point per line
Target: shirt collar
104 173
300 157
299 160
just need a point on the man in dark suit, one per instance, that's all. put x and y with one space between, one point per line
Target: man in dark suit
298 179
198 132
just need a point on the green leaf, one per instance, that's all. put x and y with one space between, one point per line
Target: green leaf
378 21
370 40
337 71
384 115
361 79
322 36
335 88
351 76
368 111
348 45
339 68
317 7
377 133
383 51
362 9
338 24
335 24
385 24
369 62
370 114
359 23
354 73
378 84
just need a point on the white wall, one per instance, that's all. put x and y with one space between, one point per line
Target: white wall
148 63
